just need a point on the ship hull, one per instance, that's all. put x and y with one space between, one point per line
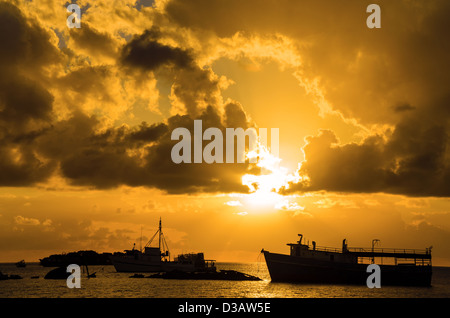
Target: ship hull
296 269
132 265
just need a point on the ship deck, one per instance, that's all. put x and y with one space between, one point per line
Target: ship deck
368 255
397 253
374 252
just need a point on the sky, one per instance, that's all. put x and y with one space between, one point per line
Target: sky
87 115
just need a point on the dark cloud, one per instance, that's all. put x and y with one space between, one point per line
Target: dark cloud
397 75
36 145
23 101
138 156
25 104
20 166
195 177
145 52
98 159
94 42
403 108
25 50
24 42
405 64
146 133
412 161
363 72
88 85
194 87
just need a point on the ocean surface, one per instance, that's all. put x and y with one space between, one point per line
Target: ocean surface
110 284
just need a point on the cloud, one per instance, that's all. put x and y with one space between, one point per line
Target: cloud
20 220
24 40
25 104
403 108
94 43
396 76
233 203
137 156
24 101
70 120
413 160
81 144
401 62
145 52
193 88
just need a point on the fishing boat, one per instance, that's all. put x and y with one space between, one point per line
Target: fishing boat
157 259
324 265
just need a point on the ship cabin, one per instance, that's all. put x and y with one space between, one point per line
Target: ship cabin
381 256
321 253
155 254
198 259
152 254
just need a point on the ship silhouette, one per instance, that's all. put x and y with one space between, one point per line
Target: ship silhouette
157 259
325 265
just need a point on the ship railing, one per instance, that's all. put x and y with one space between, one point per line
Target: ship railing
392 255
378 250
394 261
325 249
389 250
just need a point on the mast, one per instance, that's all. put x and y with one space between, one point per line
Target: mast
162 244
159 244
140 243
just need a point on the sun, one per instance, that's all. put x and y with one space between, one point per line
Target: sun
264 187
263 199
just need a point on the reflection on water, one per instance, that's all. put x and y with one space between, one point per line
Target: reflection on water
110 284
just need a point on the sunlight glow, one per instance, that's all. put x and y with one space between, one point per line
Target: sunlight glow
264 187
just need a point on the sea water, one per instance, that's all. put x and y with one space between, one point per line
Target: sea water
110 284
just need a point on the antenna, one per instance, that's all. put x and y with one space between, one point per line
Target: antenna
374 241
140 243
159 244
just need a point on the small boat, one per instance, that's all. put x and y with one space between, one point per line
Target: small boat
58 273
21 263
325 265
157 259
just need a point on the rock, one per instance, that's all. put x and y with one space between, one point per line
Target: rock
58 273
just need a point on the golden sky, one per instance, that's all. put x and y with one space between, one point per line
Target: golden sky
86 116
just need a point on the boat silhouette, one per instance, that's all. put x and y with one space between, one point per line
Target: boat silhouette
157 259
325 265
